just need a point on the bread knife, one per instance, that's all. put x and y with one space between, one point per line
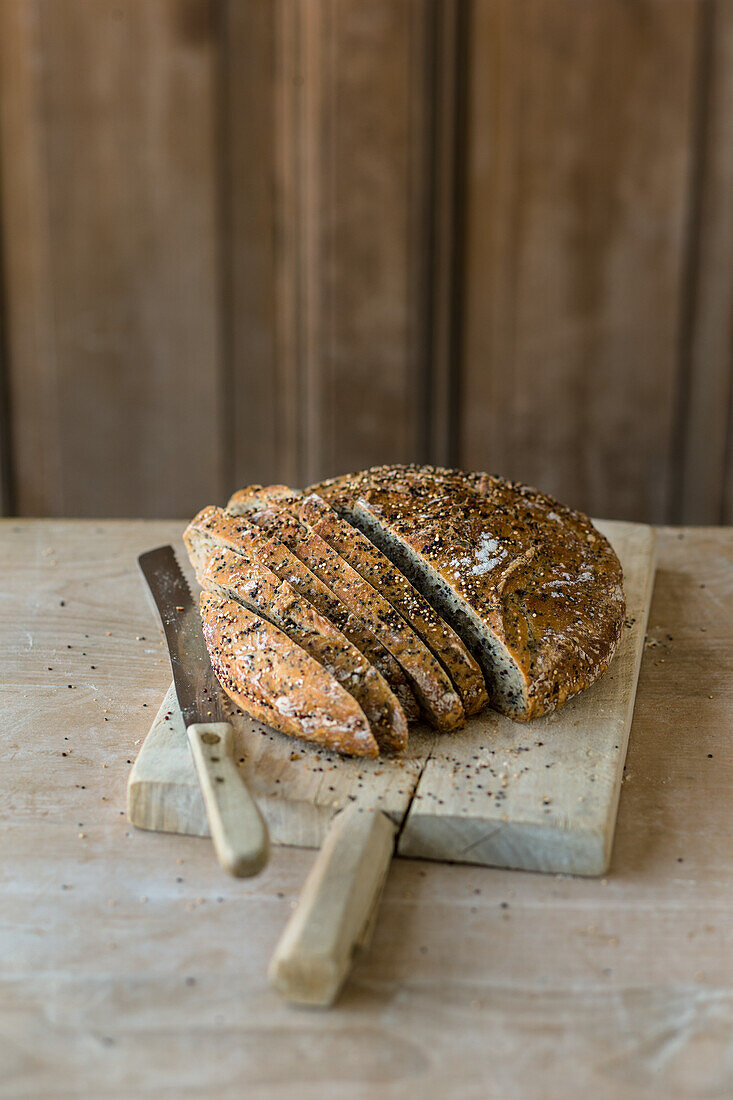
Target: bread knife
238 829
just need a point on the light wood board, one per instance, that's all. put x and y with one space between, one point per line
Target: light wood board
541 796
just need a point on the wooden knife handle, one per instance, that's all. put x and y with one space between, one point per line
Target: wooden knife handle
336 908
238 829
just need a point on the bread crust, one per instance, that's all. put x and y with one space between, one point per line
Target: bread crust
277 683
214 528
432 685
229 575
545 585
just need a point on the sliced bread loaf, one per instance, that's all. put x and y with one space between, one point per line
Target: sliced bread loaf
277 683
362 555
436 694
375 567
230 576
532 587
215 529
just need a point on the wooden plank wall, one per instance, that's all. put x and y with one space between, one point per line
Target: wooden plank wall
263 240
575 261
111 257
706 420
329 262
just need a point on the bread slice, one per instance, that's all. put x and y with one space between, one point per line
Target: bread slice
214 529
376 568
276 682
230 576
436 694
355 548
533 588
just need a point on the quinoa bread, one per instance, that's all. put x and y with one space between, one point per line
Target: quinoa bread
531 586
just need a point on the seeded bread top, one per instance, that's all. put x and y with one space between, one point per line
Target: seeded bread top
538 574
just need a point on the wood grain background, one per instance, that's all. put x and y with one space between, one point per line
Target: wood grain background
263 240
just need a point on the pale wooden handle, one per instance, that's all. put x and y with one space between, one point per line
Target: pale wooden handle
335 909
238 829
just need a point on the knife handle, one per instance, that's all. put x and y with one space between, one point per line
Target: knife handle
337 908
238 829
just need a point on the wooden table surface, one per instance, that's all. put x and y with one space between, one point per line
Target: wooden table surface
132 966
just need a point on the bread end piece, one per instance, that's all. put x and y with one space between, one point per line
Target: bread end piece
277 683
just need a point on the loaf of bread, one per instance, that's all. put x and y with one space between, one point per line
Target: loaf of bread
319 605
438 698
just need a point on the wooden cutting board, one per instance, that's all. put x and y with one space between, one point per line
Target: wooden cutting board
541 796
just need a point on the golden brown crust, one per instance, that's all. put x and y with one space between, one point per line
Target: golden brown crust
432 685
277 683
227 574
539 575
214 528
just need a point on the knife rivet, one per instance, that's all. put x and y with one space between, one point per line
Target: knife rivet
210 738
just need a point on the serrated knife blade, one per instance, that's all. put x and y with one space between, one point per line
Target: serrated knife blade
198 690
238 829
